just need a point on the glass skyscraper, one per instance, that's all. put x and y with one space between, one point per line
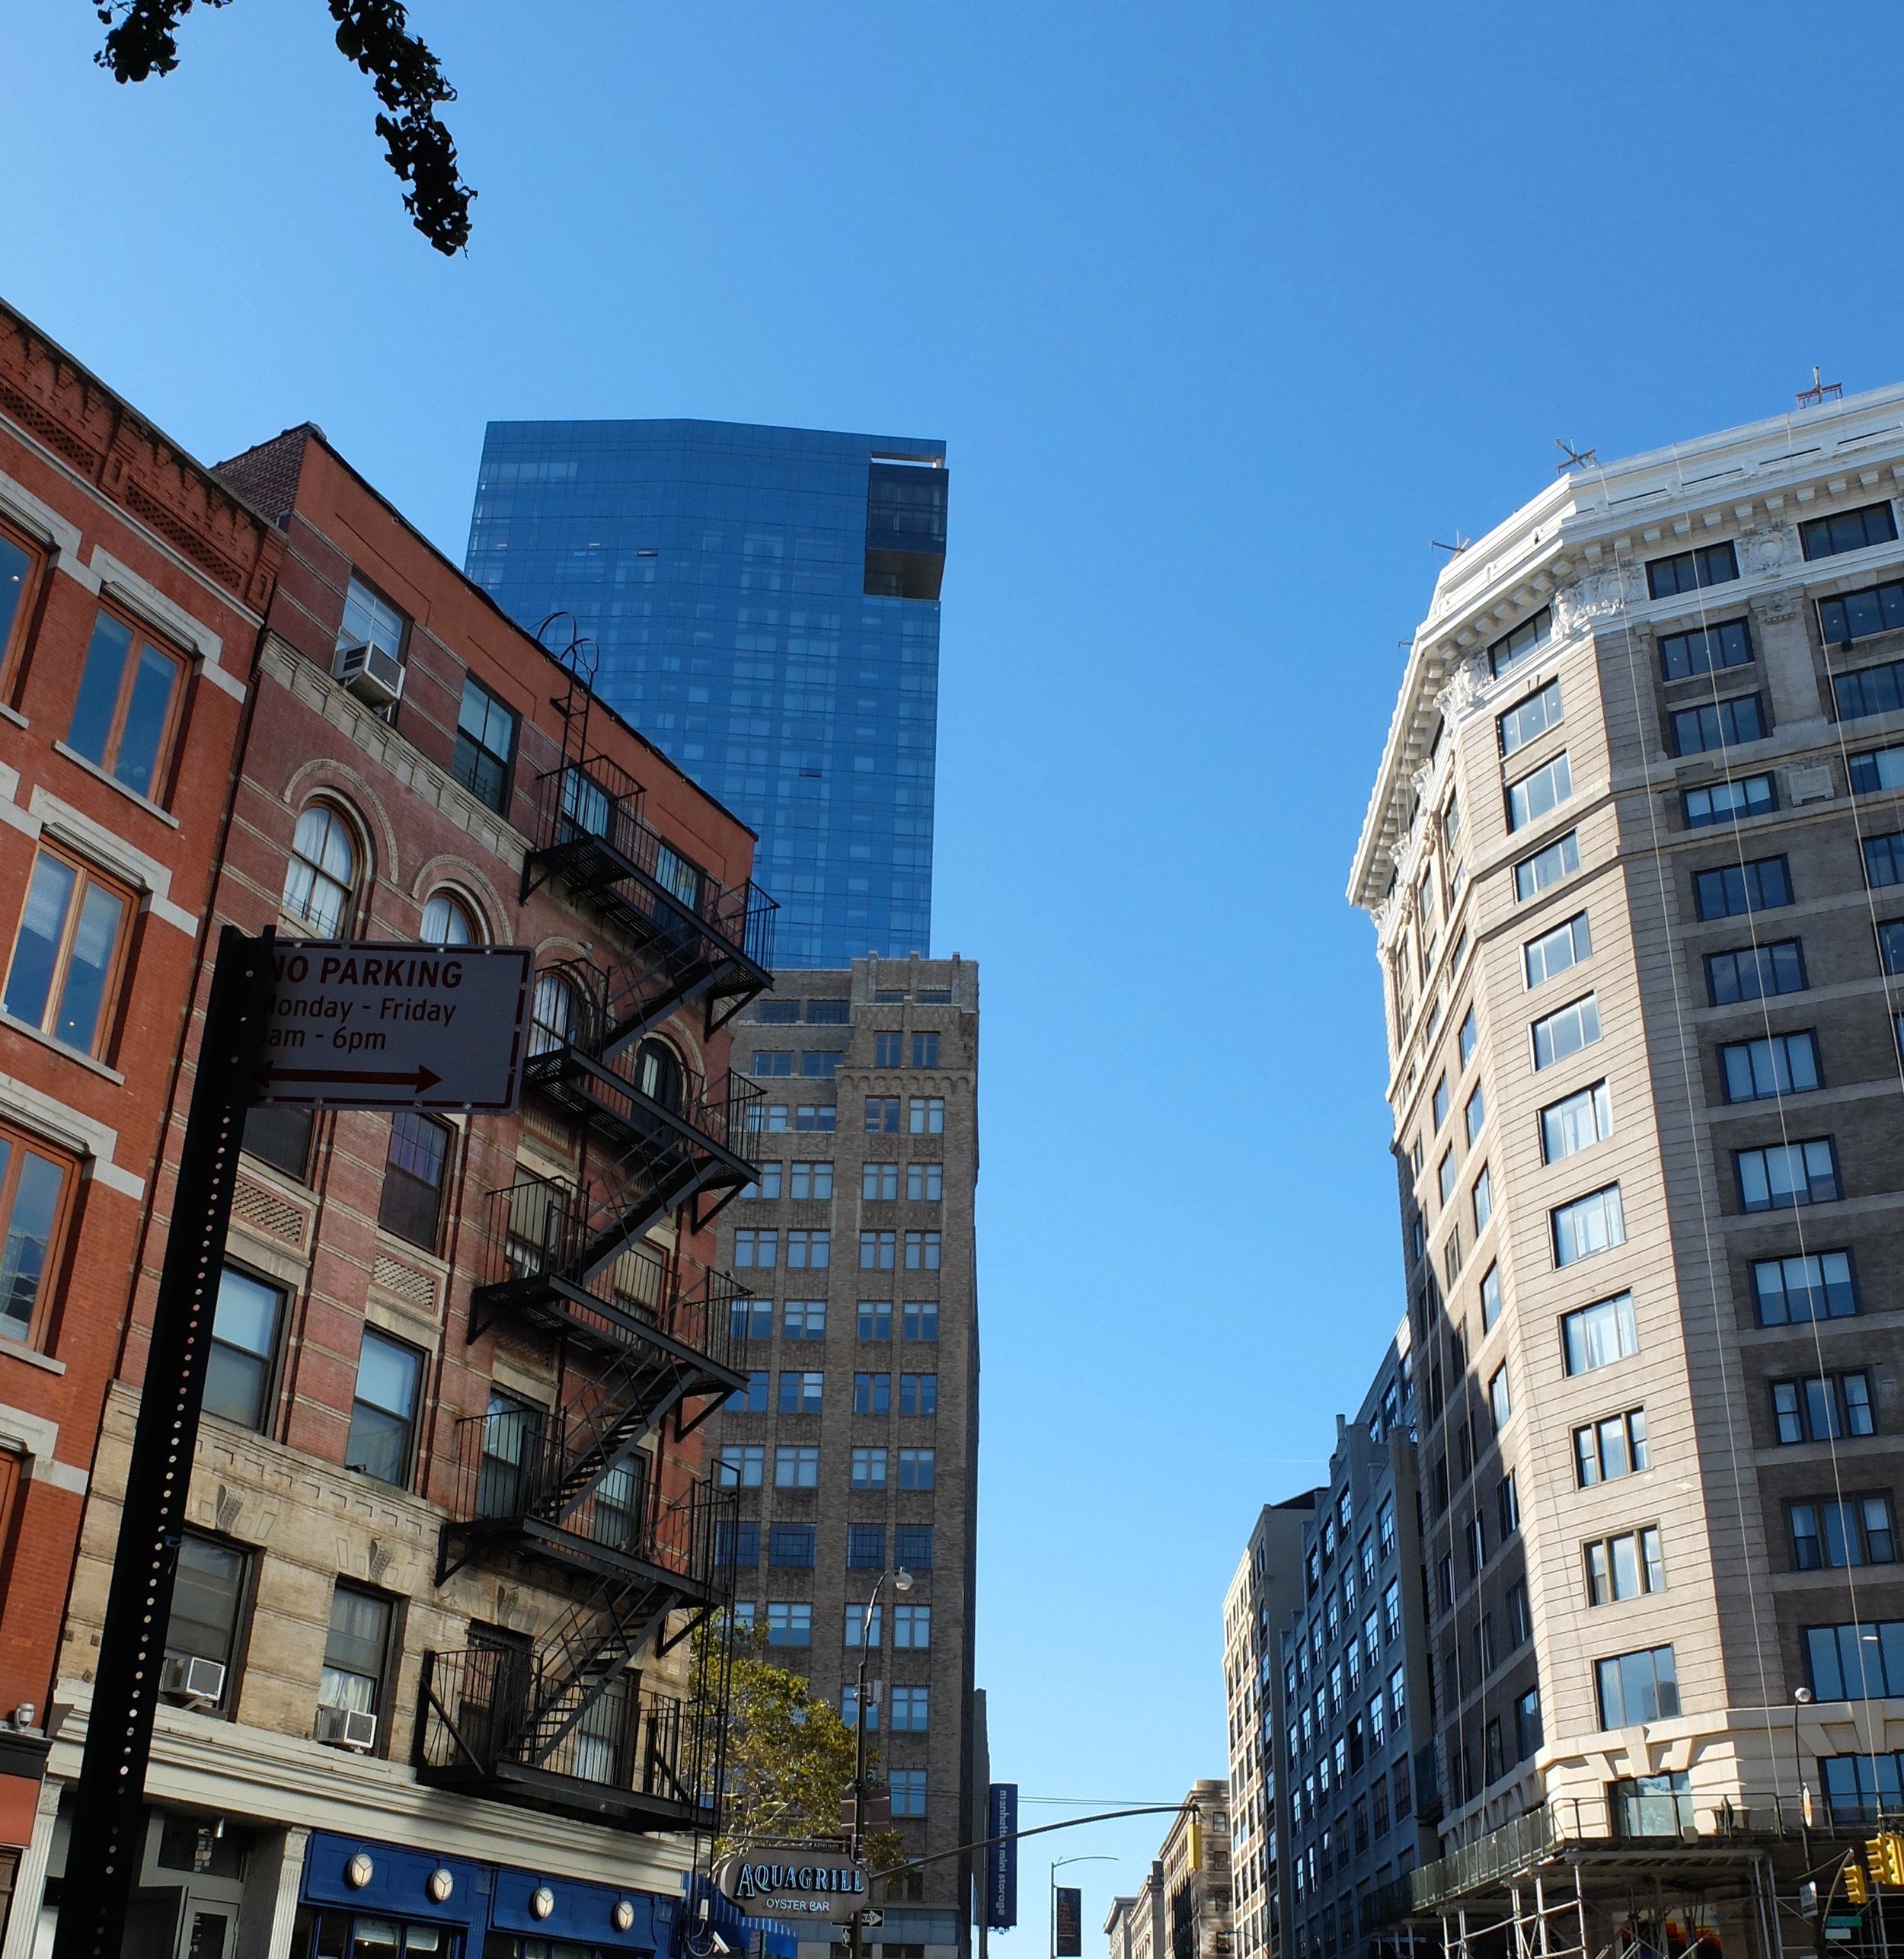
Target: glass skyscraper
766 603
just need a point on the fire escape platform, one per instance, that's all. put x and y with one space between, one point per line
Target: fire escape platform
556 1305
574 1551
569 1795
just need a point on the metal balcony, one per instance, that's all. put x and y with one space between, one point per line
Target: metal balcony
517 1725
571 1488
682 1134
566 1261
714 942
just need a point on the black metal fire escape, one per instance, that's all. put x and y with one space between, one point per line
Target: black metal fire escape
648 1337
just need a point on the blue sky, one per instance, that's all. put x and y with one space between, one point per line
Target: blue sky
1223 311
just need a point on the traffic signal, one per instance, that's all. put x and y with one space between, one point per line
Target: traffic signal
1856 1889
1886 1855
1193 1842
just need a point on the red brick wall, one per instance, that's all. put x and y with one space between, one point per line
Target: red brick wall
84 475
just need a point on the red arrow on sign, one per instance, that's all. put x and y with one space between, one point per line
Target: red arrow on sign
418 1077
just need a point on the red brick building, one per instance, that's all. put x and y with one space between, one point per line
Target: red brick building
427 1673
132 587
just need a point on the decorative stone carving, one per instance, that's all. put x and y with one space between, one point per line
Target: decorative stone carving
1594 597
1765 550
1461 690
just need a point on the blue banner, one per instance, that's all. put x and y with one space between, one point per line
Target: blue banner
1001 1859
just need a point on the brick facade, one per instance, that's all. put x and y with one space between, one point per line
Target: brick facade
115 547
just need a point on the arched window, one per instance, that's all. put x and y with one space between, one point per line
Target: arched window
658 1073
553 1013
322 872
448 921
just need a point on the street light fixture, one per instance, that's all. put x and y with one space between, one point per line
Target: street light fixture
1096 1857
902 1582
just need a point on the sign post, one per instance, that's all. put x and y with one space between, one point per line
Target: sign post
108 1815
328 1025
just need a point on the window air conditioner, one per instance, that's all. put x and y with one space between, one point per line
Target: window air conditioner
201 1682
345 1727
374 675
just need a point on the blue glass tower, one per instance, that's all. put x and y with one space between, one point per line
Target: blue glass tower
766 601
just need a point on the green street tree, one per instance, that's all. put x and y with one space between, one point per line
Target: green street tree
789 1756
142 40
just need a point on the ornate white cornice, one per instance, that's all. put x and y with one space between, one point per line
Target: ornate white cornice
1581 545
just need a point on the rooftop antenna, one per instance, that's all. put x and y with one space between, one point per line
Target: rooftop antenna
1820 391
1453 550
1574 458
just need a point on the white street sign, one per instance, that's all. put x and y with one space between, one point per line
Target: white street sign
364 1025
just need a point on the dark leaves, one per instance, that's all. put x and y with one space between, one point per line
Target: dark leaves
409 81
142 41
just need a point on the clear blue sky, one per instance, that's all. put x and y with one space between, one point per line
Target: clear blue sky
1224 312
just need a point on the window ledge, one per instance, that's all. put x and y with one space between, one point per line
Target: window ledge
14 715
99 774
59 1047
18 1350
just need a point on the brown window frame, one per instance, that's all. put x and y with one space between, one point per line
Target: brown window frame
166 753
453 1144
21 1140
14 641
88 873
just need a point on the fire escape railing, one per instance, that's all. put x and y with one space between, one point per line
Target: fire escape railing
716 940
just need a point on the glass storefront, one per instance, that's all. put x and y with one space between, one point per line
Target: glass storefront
343 1934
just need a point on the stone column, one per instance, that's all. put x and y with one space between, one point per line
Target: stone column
272 1879
30 1881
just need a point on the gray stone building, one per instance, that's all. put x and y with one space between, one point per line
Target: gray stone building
1633 858
854 1448
1356 1745
1266 1588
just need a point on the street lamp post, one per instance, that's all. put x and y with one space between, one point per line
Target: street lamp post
902 1582
1095 1858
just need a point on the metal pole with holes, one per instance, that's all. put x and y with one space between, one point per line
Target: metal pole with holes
108 1816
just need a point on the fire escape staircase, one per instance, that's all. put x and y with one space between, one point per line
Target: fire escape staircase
566 1723
647 1337
701 942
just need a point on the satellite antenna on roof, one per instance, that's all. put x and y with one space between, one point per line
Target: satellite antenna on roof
1453 550
1575 458
1820 392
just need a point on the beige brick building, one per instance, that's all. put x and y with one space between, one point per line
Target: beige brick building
1184 1910
1631 857
853 1450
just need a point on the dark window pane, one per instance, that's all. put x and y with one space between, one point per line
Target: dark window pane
244 1336
15 565
279 1136
90 729
413 1179
146 715
205 1599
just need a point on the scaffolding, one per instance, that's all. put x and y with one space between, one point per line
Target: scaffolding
1757 1884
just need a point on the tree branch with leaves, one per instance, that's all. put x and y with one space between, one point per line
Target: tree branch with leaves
142 40
789 1756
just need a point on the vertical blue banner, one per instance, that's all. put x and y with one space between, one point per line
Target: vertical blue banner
1001 1859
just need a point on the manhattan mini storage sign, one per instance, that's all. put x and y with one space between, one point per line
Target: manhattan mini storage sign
362 1025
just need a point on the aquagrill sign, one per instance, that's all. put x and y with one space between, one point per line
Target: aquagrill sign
785 1890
